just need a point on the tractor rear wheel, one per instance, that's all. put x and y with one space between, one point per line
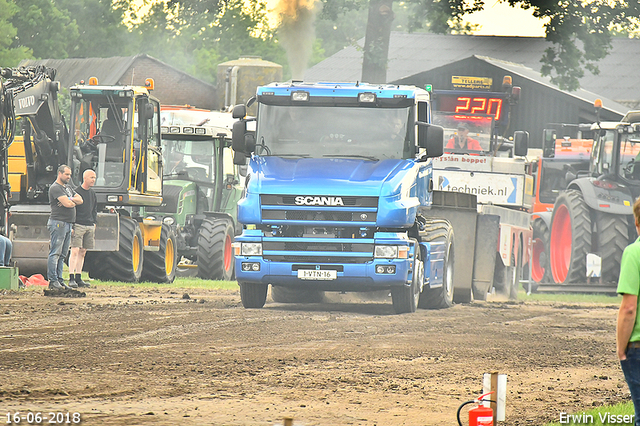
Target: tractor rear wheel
570 239
613 237
160 266
215 254
540 267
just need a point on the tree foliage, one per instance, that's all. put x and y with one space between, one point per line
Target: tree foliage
10 56
581 34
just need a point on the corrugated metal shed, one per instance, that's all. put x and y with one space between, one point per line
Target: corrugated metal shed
541 102
411 54
172 86
71 71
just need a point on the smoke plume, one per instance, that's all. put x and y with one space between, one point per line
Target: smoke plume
297 32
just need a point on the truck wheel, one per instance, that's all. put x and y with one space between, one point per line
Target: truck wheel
281 294
441 298
570 238
540 267
613 237
505 278
160 266
253 295
405 299
517 275
215 255
124 264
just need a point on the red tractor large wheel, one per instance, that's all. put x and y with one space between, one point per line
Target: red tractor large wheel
570 238
540 267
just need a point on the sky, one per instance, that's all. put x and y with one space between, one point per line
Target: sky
504 20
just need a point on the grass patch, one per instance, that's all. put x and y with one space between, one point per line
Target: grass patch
601 416
178 283
571 298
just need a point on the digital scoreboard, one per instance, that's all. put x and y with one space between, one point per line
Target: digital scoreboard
469 103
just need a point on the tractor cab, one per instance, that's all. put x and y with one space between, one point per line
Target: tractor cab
115 130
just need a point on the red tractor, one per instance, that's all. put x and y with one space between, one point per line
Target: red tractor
593 215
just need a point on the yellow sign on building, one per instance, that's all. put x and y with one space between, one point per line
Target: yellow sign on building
460 82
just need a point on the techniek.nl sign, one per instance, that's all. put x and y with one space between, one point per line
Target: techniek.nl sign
488 187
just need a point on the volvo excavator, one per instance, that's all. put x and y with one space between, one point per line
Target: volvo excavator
114 130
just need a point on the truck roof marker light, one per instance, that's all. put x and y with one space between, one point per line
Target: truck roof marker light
93 81
366 97
507 83
300 96
174 129
164 129
515 95
202 131
149 84
187 129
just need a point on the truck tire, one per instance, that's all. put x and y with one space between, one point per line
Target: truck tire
124 264
281 294
570 239
540 266
405 299
215 255
160 266
253 295
613 237
442 297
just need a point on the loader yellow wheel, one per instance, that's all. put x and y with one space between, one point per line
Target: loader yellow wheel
161 266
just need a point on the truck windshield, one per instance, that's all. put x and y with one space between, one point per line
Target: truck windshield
191 159
465 132
317 132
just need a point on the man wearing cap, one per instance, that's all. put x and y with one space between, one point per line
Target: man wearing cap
463 141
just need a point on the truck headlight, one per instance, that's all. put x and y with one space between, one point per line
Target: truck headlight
391 252
251 249
386 252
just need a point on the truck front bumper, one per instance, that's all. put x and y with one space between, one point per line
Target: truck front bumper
336 277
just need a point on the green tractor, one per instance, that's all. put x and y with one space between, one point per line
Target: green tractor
201 187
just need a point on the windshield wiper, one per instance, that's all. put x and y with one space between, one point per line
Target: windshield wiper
368 157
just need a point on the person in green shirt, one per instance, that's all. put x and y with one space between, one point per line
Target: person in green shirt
628 327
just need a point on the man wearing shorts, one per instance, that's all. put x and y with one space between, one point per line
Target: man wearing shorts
84 228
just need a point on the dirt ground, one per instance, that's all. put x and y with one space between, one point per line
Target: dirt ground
141 356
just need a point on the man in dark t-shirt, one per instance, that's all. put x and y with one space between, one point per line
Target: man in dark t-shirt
63 201
84 228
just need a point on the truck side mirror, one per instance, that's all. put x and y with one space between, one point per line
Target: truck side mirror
237 137
549 143
239 111
250 142
239 159
431 137
520 143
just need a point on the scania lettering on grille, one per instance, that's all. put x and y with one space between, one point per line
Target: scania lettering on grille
301 200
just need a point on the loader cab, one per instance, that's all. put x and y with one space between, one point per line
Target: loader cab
115 130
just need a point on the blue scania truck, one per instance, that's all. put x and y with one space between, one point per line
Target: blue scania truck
339 197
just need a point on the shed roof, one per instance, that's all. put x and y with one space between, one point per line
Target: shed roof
410 54
109 71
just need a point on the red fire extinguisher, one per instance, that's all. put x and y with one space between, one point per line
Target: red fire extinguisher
480 415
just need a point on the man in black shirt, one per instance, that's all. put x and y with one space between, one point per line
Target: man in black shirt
63 201
84 228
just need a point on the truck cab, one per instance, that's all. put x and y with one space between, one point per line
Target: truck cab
337 175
